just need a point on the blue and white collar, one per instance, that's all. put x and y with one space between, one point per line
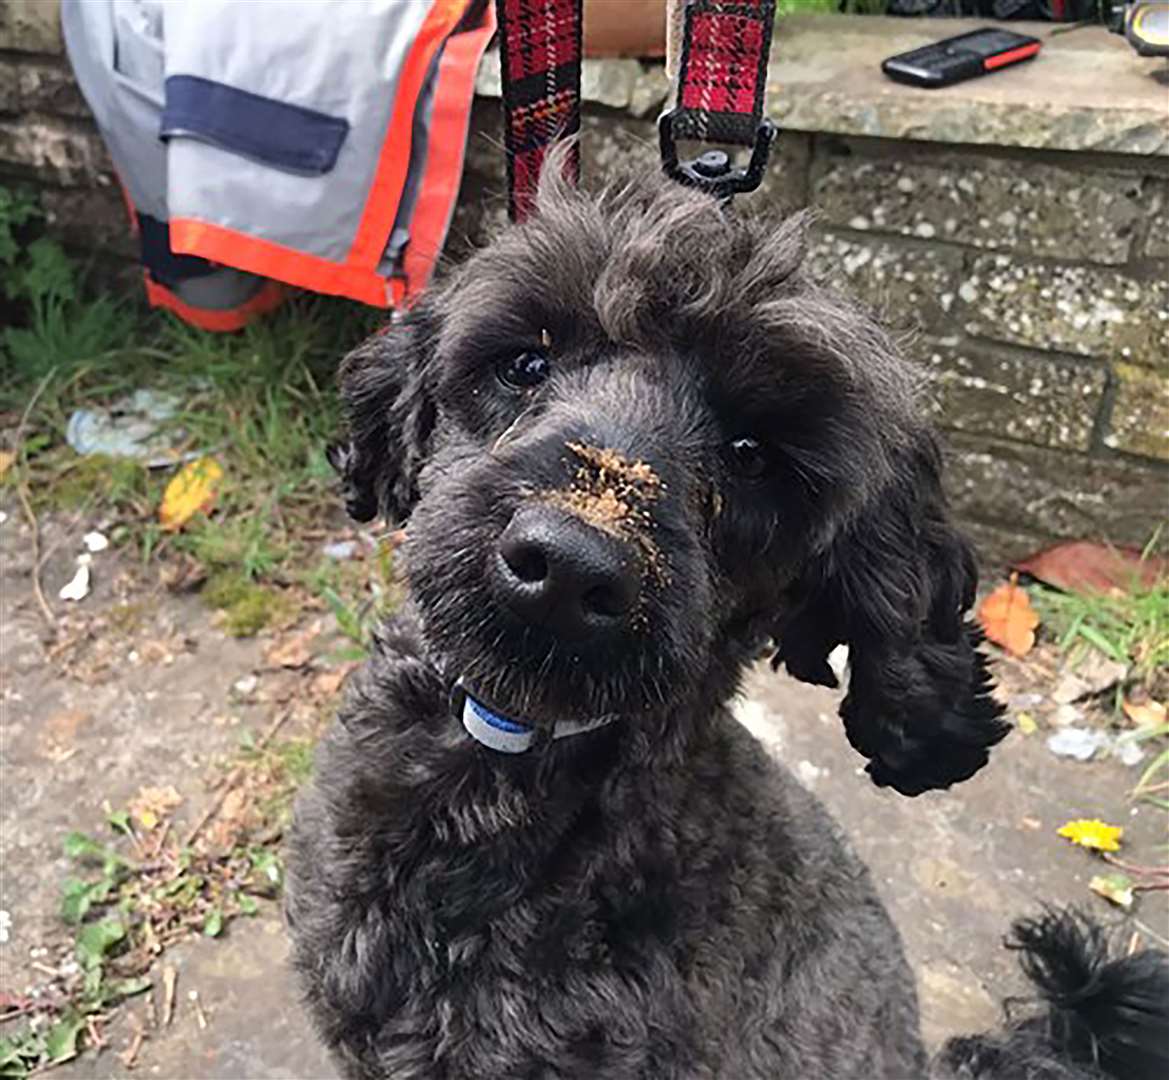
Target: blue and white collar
505 734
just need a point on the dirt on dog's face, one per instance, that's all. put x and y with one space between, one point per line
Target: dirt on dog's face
615 455
563 541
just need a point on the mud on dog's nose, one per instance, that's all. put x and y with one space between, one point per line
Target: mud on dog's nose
554 570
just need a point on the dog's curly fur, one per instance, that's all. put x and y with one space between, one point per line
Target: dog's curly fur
654 899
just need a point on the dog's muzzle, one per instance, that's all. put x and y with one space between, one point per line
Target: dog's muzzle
491 728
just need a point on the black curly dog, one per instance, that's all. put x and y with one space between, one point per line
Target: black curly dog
635 442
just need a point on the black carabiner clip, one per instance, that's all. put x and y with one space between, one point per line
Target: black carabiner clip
712 171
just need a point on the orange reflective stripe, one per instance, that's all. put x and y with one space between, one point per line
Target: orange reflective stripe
190 236
270 296
381 205
446 147
357 277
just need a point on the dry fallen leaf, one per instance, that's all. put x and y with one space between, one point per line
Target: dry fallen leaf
327 683
1087 567
184 574
1116 888
192 489
1007 618
293 651
1092 833
59 733
237 815
1148 714
7 457
152 804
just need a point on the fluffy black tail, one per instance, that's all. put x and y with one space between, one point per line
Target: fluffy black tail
1104 1018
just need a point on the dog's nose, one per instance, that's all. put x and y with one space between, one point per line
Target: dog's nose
555 570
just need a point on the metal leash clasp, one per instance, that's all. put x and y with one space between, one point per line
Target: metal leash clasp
712 171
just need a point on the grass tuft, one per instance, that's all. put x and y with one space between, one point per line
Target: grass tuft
1131 628
261 402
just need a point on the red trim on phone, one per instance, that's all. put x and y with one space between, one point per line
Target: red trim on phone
1011 56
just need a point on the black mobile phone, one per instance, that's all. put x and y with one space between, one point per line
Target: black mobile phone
962 57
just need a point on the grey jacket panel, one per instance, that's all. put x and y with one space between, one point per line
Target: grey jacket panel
346 65
117 58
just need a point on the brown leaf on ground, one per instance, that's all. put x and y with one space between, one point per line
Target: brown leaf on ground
183 574
237 815
59 731
1085 566
1144 713
327 683
153 805
7 457
157 652
1007 618
293 651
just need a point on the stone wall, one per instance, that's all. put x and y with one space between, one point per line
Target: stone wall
1035 293
1030 281
47 135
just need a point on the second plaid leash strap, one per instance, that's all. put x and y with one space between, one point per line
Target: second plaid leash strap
539 53
722 83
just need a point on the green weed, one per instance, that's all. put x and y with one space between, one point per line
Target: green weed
852 7
360 594
1154 782
1131 628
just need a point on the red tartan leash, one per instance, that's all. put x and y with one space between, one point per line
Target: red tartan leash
721 87
722 82
539 55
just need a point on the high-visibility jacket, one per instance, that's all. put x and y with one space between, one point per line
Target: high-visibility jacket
314 144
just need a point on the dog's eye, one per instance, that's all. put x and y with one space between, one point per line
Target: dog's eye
748 458
523 372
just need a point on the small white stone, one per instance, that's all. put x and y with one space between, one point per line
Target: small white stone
808 773
838 662
1127 752
925 230
968 292
1078 743
78 587
95 541
245 685
905 184
859 222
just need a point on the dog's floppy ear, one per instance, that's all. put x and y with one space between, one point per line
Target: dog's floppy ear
895 586
386 391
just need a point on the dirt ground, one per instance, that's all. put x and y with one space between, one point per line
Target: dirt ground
173 694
